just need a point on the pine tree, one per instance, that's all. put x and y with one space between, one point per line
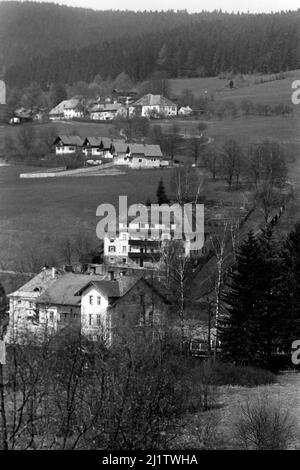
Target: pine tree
161 193
248 329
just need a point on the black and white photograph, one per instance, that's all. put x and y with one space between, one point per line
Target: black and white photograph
149 229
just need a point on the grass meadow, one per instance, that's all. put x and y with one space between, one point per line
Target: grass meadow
35 214
271 92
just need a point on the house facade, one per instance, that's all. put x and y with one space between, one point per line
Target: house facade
67 109
97 147
155 106
67 144
90 304
138 155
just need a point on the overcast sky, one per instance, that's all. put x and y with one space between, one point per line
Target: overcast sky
190 5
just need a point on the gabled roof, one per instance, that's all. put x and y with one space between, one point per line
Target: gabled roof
103 142
63 291
66 104
108 288
147 150
37 285
154 100
106 142
69 140
92 141
111 289
121 147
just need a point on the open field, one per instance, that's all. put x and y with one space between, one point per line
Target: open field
245 129
272 92
35 214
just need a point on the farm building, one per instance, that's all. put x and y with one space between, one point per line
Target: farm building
97 307
155 106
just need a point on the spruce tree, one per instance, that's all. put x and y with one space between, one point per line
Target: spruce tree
290 289
161 193
248 327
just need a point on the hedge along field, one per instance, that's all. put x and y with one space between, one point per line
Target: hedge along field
35 213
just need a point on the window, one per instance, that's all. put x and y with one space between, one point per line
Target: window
124 236
98 320
112 249
91 299
51 316
98 300
30 305
124 248
90 319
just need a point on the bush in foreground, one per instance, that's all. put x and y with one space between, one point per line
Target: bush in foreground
264 425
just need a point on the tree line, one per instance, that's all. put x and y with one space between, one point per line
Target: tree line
204 44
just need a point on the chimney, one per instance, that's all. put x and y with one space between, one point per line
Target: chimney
53 272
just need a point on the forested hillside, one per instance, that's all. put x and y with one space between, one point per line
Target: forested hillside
47 43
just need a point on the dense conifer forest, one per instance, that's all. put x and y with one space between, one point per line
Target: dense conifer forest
47 43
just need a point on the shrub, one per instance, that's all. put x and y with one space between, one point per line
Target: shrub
231 374
264 425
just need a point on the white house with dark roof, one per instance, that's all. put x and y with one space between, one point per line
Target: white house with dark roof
67 144
67 109
138 155
155 106
97 147
54 301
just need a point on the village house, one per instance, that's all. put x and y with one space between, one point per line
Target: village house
100 309
97 147
107 111
138 155
67 144
67 109
155 106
